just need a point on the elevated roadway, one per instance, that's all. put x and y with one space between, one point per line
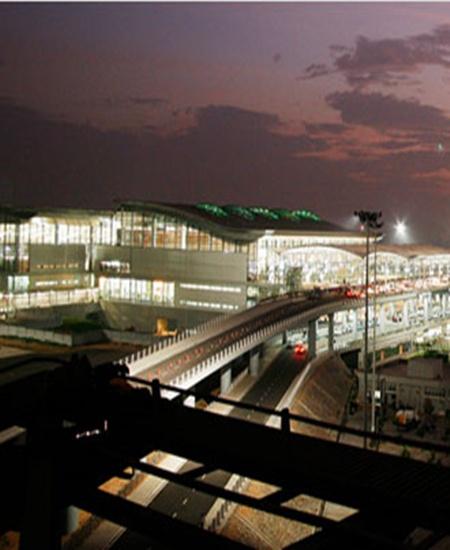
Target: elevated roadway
229 337
195 355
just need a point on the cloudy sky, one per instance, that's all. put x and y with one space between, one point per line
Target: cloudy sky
328 106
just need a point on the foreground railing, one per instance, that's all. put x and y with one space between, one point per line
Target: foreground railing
286 418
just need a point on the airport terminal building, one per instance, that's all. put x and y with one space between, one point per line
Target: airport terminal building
158 267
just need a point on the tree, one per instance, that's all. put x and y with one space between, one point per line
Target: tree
294 278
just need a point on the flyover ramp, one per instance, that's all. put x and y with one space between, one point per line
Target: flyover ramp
190 360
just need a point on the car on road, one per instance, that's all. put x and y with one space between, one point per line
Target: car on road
300 350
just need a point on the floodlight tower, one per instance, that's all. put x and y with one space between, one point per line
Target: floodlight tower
371 223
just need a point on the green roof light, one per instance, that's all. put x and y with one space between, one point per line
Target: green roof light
266 212
241 211
213 209
251 212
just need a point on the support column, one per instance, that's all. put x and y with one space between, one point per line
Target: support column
312 338
189 401
70 519
225 380
426 309
254 362
382 319
355 324
330 331
405 314
284 338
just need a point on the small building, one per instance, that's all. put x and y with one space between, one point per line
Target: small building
409 382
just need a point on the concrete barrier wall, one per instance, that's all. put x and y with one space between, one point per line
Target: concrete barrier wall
50 336
127 337
14 331
323 393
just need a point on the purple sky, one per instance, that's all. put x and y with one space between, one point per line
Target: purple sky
327 106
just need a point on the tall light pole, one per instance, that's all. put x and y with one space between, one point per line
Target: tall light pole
370 221
374 329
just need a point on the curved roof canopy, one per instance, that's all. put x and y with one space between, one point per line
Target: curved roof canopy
245 223
408 251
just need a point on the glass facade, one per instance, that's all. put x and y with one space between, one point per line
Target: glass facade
26 300
36 272
149 230
320 265
137 291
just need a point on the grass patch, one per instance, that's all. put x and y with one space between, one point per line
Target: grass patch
78 326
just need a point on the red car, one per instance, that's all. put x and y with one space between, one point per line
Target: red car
350 293
300 350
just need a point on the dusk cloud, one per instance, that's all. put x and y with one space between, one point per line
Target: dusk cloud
387 61
138 101
229 147
393 145
326 128
384 112
276 57
315 70
150 101
228 155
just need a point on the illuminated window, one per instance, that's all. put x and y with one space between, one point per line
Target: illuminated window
137 290
229 246
216 244
160 240
42 231
8 233
192 238
215 288
209 305
147 238
204 239
171 236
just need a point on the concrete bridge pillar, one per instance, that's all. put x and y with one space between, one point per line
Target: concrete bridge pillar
426 308
382 319
405 314
225 380
189 401
330 331
354 321
312 338
254 362
70 518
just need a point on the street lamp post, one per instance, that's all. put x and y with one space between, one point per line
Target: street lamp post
370 221
374 331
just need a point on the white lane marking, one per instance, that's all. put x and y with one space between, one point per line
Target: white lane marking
174 515
184 501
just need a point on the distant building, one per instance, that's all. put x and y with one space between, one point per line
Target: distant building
187 262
